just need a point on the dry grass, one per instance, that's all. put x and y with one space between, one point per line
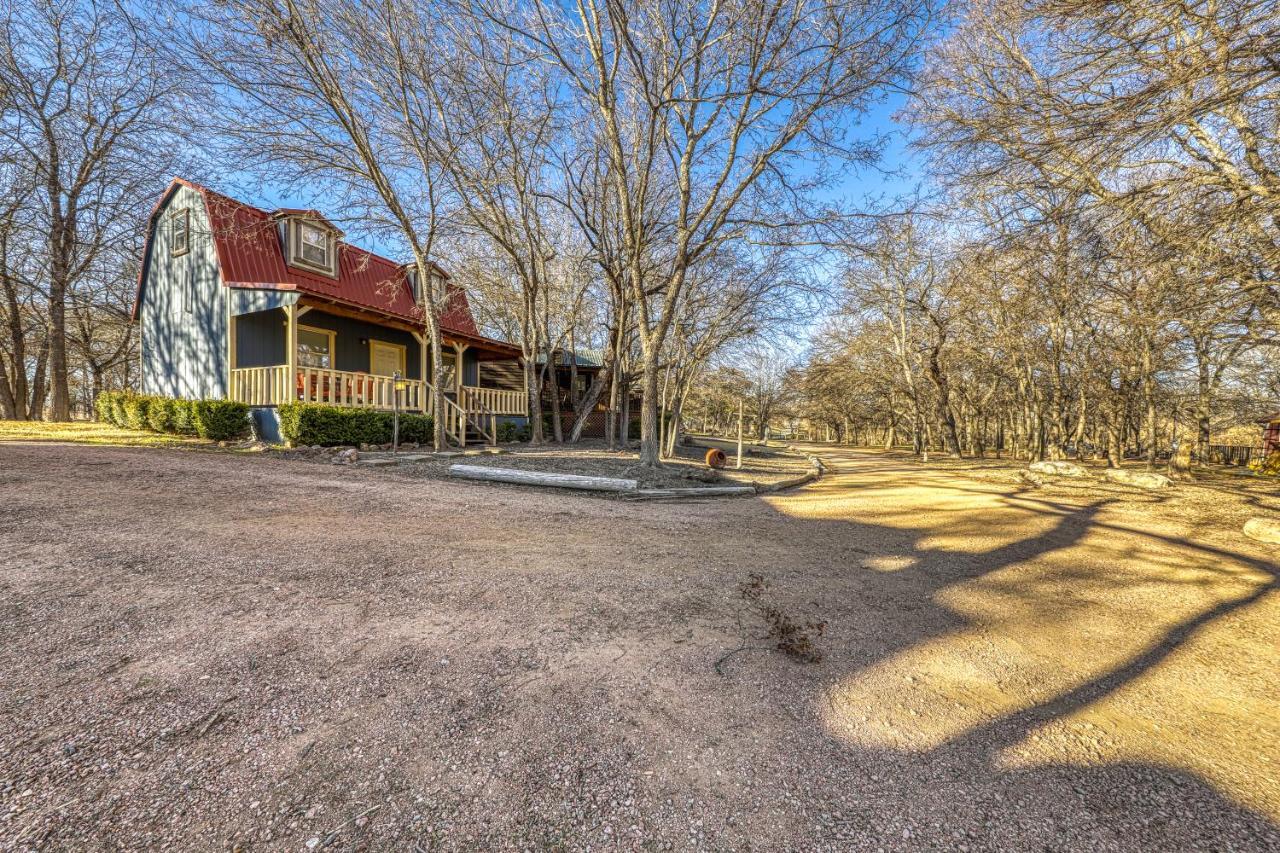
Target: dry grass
90 432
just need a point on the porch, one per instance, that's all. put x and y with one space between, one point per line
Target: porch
312 352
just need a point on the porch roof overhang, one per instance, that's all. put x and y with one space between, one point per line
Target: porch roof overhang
250 298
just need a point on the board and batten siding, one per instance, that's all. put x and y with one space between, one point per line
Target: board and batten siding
183 313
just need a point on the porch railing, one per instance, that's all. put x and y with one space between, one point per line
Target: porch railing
260 386
359 390
493 400
477 407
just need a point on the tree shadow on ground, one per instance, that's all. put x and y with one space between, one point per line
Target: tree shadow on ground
989 670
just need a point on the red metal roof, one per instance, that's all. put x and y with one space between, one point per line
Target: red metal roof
250 254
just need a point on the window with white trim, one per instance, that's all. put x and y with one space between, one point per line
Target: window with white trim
313 245
179 232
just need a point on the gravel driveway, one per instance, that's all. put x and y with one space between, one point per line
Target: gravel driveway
206 651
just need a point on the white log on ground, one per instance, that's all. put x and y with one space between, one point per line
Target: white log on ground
542 478
1263 529
1138 479
1057 468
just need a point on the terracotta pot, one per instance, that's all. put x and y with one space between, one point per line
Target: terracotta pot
715 458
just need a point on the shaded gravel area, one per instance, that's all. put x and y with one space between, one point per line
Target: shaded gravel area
212 651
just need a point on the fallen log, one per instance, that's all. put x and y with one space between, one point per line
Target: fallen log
542 478
1137 479
1263 529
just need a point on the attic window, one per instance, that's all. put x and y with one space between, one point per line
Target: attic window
314 246
179 232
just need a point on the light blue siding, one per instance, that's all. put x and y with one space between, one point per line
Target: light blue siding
183 312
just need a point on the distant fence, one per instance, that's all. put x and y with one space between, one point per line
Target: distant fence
1234 454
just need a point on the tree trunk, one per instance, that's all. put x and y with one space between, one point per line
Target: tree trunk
20 392
1115 453
35 408
59 272
437 382
8 409
1204 394
557 424
532 382
624 423
947 416
649 450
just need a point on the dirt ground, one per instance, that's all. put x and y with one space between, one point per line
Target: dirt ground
207 651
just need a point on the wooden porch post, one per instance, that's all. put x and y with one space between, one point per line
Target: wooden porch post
231 349
458 350
422 375
285 394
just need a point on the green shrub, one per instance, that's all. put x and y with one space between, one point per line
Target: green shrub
220 420
315 423
182 420
419 429
510 431
118 416
160 414
136 407
104 406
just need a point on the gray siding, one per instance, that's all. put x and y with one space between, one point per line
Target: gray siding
351 353
260 342
183 312
260 339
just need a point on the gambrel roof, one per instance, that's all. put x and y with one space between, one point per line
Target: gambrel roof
250 255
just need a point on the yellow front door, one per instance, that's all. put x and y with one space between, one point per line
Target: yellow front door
386 359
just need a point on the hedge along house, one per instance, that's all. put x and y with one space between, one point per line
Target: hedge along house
274 307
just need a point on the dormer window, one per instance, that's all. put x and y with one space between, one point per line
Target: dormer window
315 244
312 243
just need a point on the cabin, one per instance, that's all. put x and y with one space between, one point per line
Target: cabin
268 307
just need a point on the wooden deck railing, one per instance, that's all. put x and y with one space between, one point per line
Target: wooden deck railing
260 386
359 390
270 386
493 401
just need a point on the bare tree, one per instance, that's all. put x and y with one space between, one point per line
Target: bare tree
91 111
705 112
339 94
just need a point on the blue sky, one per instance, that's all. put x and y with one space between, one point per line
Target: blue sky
897 175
